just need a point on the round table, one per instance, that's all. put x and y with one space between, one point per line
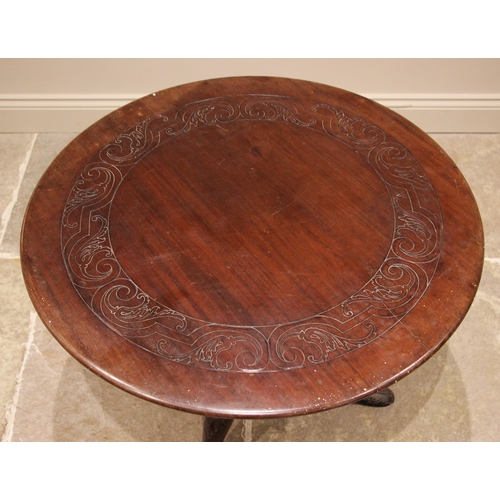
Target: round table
252 247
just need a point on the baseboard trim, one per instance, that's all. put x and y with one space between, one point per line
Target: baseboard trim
434 113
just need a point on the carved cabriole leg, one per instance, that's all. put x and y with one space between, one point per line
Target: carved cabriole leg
384 397
216 429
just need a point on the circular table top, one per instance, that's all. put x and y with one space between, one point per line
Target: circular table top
252 247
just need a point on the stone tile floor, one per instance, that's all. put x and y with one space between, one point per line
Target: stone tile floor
47 396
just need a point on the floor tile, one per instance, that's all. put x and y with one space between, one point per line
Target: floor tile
410 418
46 148
476 348
61 400
478 158
15 308
451 397
14 151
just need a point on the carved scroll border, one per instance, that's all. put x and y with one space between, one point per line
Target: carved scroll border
385 299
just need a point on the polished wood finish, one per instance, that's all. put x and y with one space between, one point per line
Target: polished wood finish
252 247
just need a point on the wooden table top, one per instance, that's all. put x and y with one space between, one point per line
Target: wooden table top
252 247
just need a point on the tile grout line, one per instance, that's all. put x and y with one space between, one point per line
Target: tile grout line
9 256
247 431
10 414
15 193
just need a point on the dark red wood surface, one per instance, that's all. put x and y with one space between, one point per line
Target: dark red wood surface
252 247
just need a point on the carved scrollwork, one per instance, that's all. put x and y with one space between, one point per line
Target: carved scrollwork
222 348
397 166
125 306
393 288
349 129
90 259
416 236
389 295
93 189
131 146
272 108
207 112
316 342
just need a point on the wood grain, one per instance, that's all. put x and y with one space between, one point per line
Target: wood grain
252 247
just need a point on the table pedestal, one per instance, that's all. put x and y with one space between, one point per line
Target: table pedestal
216 429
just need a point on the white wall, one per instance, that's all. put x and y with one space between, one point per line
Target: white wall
67 95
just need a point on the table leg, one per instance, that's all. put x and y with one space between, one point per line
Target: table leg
216 429
384 397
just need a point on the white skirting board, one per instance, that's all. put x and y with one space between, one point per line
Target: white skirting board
443 113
